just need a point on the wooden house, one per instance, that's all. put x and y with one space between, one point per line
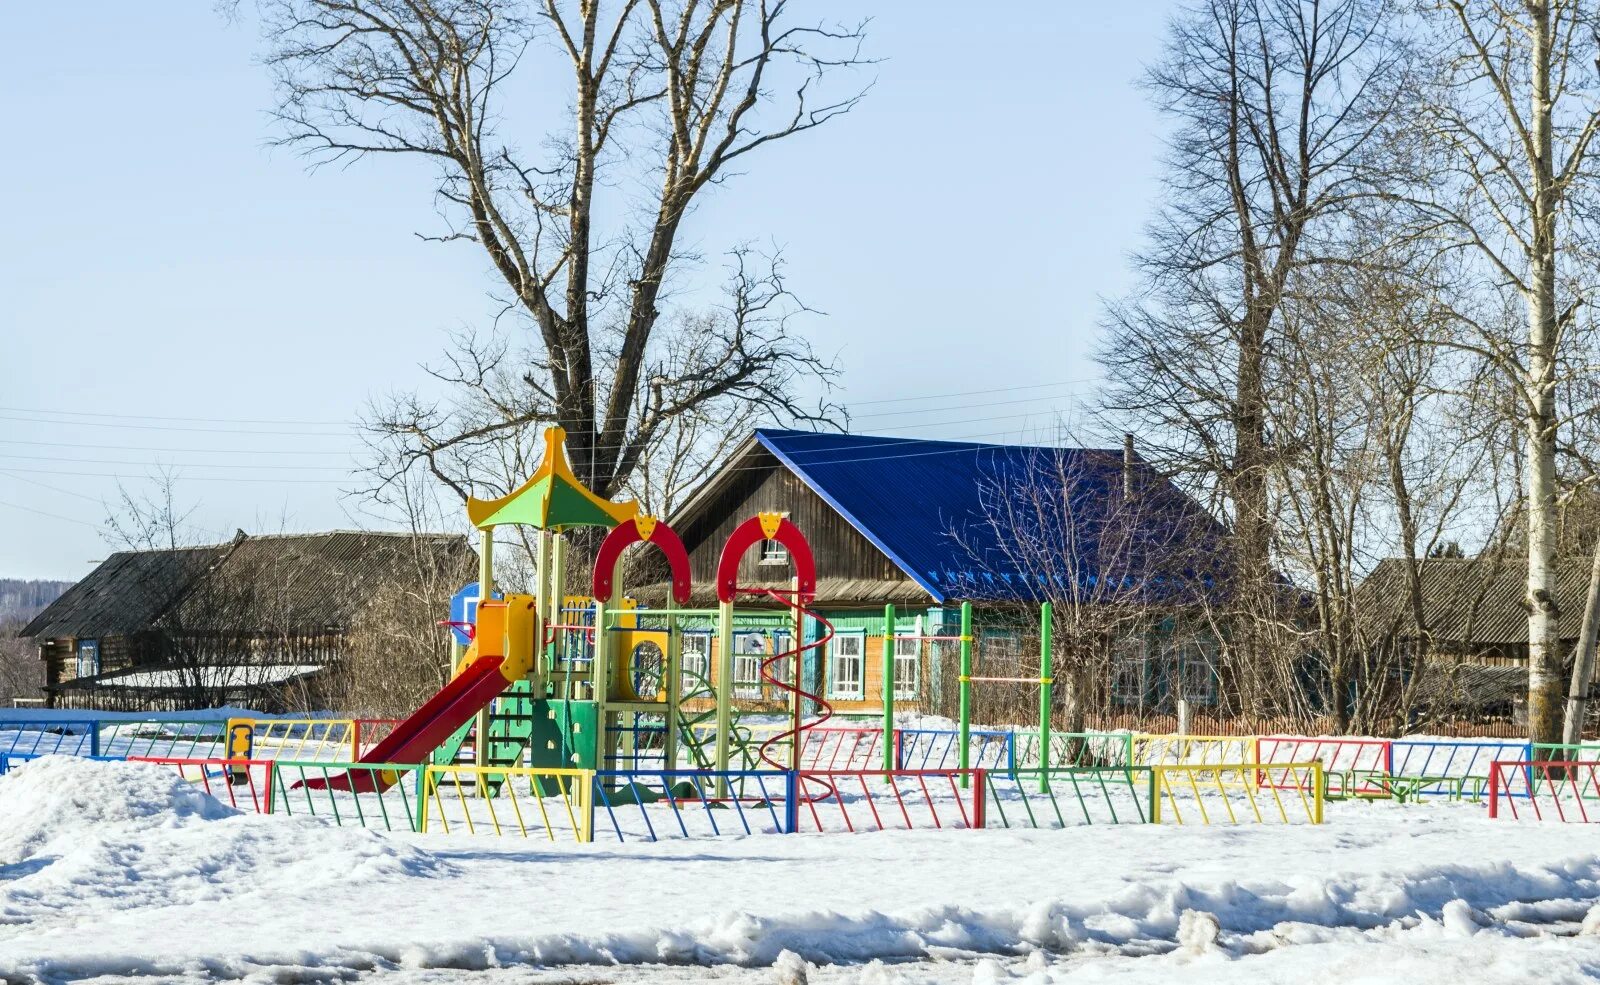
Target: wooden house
239 623
924 526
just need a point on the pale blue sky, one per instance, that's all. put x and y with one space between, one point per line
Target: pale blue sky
158 261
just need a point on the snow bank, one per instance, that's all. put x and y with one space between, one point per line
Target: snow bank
48 804
111 868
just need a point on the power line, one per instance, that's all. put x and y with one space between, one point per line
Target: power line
53 516
164 427
45 485
193 451
157 417
177 465
972 393
106 416
940 410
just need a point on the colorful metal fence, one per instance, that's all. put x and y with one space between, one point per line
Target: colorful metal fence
1549 790
1234 792
392 800
938 749
303 739
1451 768
244 784
480 799
887 800
655 805
1197 750
1069 796
1356 766
44 737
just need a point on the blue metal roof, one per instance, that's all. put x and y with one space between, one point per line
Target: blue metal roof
971 521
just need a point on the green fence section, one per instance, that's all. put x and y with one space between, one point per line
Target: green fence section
1585 782
1076 749
1067 796
174 737
386 795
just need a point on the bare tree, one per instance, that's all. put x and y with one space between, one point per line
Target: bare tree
1277 104
151 520
667 99
1507 176
1118 553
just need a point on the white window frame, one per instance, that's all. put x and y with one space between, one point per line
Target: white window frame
783 669
773 553
696 655
747 664
79 658
1131 653
1196 655
858 691
913 660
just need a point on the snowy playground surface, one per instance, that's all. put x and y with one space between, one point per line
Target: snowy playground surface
123 870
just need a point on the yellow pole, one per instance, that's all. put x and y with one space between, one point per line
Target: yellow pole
480 746
724 689
673 668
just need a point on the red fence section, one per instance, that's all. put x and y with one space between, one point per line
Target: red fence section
1337 755
1548 791
825 750
889 800
244 784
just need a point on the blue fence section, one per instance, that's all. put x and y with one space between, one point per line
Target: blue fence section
42 737
11 760
940 749
749 801
1449 763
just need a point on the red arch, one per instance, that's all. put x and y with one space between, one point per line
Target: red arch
750 532
627 532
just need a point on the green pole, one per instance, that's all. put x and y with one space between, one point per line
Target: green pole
966 687
1046 691
888 687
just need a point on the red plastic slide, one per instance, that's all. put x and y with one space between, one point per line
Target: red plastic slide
415 739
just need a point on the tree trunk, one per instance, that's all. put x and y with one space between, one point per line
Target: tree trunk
1544 638
1583 660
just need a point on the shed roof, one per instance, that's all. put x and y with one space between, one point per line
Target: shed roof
124 594
1474 600
308 581
979 521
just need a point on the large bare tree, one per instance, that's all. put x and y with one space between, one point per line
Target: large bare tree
583 227
1276 104
1509 121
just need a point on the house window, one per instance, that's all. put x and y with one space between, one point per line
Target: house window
782 668
1130 682
1197 672
749 649
695 664
88 658
845 666
907 666
773 552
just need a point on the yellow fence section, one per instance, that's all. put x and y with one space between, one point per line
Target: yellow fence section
1155 750
329 740
529 799
1238 792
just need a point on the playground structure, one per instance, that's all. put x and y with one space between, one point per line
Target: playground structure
549 681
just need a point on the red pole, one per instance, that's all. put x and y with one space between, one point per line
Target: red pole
979 782
1494 789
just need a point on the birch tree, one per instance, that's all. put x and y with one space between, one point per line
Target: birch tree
1511 119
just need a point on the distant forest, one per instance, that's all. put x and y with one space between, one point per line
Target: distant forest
23 600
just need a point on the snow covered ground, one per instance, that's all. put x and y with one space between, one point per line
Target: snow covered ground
122 870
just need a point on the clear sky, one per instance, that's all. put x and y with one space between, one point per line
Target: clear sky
166 278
